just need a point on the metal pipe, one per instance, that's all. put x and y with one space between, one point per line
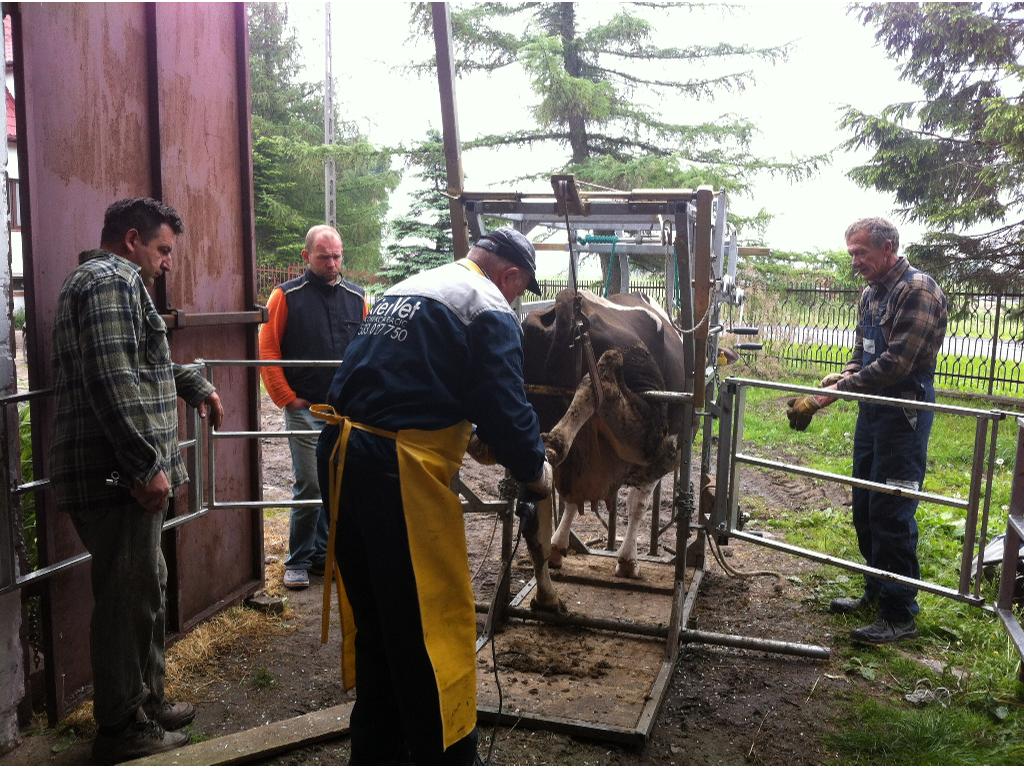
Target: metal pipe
259 433
893 490
851 566
971 524
917 405
20 397
753 643
589 622
268 363
272 504
989 471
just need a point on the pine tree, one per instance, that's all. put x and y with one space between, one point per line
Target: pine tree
288 155
423 237
955 159
591 83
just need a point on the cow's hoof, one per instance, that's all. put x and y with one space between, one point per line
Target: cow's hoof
557 607
628 569
555 558
555 449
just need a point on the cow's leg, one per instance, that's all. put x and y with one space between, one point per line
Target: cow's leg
560 541
538 542
559 440
626 417
636 501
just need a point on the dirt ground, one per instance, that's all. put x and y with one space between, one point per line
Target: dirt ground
723 706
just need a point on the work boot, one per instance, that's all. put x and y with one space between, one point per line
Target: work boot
849 604
139 738
885 631
172 716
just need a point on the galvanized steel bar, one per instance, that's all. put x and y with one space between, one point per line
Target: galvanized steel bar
590 622
867 570
989 472
754 643
971 525
856 482
916 405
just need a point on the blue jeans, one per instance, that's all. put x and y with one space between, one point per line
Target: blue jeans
888 447
307 534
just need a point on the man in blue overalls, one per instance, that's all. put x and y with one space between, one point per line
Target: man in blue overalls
902 321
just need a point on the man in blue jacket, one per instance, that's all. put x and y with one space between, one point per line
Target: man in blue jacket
439 352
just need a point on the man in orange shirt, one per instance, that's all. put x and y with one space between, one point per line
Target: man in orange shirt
312 317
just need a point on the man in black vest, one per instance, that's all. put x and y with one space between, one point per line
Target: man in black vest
312 317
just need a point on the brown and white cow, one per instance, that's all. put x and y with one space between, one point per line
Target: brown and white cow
626 440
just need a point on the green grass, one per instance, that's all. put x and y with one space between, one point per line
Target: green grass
977 661
261 678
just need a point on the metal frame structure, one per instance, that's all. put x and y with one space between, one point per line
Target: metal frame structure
689 229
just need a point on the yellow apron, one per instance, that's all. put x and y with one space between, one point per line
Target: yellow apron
427 461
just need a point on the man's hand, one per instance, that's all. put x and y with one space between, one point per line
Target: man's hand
153 495
800 411
211 407
297 404
540 486
832 379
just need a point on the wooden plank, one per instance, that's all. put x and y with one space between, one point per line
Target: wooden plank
256 744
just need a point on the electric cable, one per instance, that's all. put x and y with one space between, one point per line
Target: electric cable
729 570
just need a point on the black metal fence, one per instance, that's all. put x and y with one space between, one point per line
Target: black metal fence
811 327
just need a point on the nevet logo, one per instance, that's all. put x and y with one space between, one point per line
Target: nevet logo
401 307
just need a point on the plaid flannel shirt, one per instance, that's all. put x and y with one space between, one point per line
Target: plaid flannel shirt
913 317
115 386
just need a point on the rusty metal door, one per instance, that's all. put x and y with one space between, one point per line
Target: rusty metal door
115 100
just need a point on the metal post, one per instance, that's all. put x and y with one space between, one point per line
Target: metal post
989 471
737 440
970 529
726 402
702 282
450 124
1011 544
995 344
330 172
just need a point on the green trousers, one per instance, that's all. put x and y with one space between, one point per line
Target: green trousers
129 585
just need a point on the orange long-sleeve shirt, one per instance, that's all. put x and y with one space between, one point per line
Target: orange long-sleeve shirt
271 334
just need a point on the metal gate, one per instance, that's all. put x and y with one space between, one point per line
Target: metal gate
731 457
115 100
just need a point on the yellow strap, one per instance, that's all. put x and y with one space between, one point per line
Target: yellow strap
332 572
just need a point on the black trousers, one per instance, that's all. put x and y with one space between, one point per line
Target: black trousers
396 718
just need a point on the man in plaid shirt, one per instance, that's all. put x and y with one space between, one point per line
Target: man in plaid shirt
116 392
902 322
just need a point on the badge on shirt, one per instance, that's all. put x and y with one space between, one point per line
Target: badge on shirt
869 346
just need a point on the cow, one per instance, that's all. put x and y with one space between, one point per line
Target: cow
624 439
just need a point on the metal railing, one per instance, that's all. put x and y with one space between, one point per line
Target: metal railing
732 402
813 325
9 578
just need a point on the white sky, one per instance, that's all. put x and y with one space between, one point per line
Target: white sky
795 104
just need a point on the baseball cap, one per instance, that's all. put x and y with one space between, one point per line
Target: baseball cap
513 245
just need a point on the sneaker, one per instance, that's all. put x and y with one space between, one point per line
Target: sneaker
141 738
849 604
296 578
172 716
884 631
